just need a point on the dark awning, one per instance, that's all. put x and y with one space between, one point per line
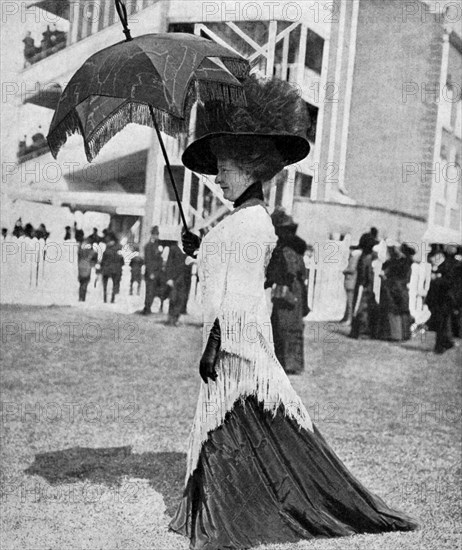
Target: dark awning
58 7
109 203
46 96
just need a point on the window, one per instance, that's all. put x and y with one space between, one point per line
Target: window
181 27
458 123
446 103
314 49
303 183
444 152
279 182
440 212
194 191
454 219
459 182
313 114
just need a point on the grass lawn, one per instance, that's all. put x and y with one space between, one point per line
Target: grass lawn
97 407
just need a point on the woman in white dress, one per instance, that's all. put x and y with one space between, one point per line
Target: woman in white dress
258 469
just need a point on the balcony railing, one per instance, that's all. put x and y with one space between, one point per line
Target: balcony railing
28 153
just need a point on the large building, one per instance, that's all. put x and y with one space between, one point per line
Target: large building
391 138
385 152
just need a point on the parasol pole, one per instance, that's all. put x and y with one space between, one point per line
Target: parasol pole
169 168
122 11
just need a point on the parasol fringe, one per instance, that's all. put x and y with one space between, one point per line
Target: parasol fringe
225 93
138 113
133 112
58 136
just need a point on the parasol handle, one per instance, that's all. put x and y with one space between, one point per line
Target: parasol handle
169 168
122 11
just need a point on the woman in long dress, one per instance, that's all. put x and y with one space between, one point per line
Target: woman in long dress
395 320
286 276
258 469
365 312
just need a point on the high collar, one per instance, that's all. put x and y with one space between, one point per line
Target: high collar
255 191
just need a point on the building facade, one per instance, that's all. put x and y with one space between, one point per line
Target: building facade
380 78
391 140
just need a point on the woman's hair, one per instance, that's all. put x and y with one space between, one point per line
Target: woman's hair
257 155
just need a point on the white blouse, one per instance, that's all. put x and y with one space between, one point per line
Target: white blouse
232 260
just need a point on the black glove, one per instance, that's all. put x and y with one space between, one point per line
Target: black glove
190 243
211 353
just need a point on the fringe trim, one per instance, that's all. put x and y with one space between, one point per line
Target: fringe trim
226 94
136 112
240 68
128 112
239 328
132 112
58 136
239 378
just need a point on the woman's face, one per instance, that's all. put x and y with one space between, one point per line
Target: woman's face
232 178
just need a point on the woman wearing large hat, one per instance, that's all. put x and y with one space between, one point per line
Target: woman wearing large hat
286 275
258 469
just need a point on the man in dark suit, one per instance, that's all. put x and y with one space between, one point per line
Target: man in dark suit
176 280
87 259
112 263
440 298
153 270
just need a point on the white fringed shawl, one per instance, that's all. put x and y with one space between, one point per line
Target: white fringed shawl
232 261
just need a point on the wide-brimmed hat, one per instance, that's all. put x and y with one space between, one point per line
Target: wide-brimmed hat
280 218
274 113
407 249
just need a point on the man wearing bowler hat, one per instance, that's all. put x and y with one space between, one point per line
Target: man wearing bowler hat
153 269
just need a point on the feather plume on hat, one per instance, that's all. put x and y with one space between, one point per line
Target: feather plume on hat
274 112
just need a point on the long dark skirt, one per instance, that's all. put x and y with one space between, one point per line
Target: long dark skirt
365 321
261 479
394 318
288 330
395 327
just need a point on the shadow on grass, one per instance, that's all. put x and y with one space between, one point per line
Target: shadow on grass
165 472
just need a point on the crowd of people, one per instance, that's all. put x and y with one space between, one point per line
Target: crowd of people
70 233
387 316
108 260
27 230
170 278
166 272
77 234
50 39
384 317
163 265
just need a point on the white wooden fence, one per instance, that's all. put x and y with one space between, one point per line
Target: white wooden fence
35 272
39 273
